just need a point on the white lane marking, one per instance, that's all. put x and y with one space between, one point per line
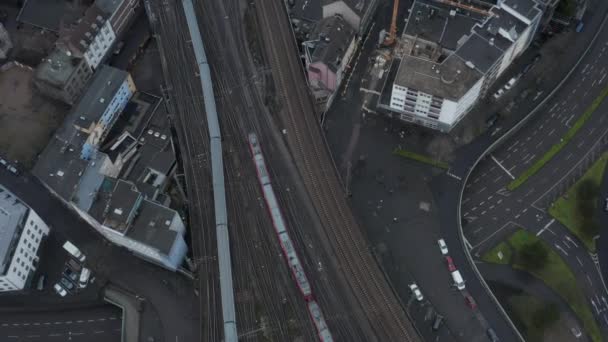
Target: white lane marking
571 241
579 261
468 244
482 189
98 332
55 335
545 227
560 248
495 232
502 167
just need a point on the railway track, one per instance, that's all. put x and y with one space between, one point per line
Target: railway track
381 313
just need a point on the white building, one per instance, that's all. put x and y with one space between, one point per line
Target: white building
452 57
92 37
21 231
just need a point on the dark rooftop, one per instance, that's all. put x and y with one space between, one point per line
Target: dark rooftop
85 30
58 67
48 14
334 36
123 205
434 23
527 8
478 51
154 226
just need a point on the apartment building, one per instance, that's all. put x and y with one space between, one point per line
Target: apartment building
21 232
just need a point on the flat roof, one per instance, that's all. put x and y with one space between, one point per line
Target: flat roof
527 8
333 35
100 91
12 214
124 202
478 51
153 226
45 14
449 80
434 23
57 67
59 166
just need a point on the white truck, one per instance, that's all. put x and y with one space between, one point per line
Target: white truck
458 281
74 251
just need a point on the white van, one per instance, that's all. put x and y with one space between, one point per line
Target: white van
458 281
84 277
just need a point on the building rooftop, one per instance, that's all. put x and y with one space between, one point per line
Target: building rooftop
92 104
79 38
46 14
449 80
333 36
12 214
480 53
425 68
527 8
108 6
57 67
123 205
155 226
435 23
60 167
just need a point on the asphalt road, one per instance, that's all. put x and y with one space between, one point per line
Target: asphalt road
94 324
492 212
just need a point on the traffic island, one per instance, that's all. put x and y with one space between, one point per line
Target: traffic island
533 255
576 208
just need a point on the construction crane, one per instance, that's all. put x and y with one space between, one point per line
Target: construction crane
464 6
391 38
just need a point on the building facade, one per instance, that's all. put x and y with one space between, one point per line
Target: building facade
452 58
62 76
22 231
327 55
357 13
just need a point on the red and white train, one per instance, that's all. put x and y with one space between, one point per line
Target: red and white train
286 244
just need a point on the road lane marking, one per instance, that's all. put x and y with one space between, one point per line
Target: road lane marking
502 167
495 232
98 332
545 227
560 248
579 260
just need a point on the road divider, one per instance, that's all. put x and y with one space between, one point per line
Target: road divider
555 149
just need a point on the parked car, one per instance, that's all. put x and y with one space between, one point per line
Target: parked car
60 290
416 292
492 335
499 93
70 275
41 283
84 278
74 265
450 263
66 284
458 281
470 302
443 247
511 83
606 204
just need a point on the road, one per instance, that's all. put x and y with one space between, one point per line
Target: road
169 296
492 212
94 324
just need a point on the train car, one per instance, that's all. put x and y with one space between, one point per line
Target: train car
277 219
319 320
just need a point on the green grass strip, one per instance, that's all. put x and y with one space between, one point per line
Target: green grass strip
491 256
565 208
521 179
420 158
558 276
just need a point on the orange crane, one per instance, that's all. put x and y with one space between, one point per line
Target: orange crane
464 6
392 34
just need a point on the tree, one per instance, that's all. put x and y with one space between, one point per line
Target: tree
544 317
534 255
587 190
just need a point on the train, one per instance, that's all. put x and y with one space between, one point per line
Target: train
289 251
